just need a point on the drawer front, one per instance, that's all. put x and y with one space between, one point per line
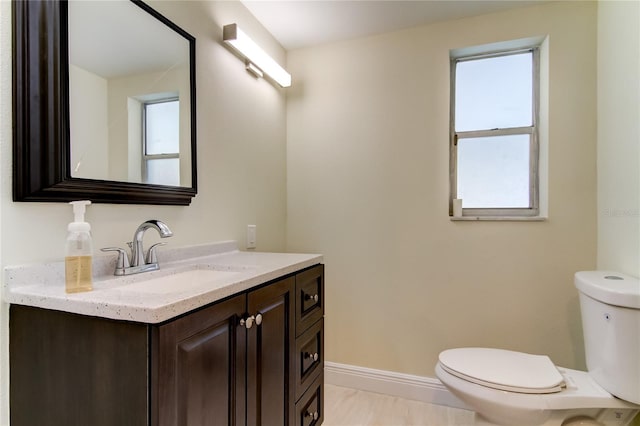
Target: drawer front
310 408
309 357
309 298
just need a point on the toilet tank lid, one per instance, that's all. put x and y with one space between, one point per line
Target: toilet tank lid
504 369
609 287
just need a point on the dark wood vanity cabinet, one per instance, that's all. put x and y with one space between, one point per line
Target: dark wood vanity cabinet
245 360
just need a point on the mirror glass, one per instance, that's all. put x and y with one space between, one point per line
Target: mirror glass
129 95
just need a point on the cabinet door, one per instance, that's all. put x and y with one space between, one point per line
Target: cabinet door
75 370
199 376
270 346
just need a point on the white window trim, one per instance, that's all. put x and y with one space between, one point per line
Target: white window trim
533 212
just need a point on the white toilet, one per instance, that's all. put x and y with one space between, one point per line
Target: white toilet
517 389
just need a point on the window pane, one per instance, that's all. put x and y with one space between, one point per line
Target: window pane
493 172
162 127
494 92
163 171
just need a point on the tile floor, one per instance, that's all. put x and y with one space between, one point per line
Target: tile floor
351 407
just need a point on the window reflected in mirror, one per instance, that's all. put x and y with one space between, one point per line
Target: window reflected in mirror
161 160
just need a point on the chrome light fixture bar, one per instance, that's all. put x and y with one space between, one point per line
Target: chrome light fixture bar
233 36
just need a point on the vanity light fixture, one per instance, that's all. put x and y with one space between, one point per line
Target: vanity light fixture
255 56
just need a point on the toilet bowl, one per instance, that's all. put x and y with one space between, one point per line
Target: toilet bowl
526 404
513 388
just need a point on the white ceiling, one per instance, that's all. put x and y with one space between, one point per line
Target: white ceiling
304 23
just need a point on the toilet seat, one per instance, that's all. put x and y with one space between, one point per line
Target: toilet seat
503 370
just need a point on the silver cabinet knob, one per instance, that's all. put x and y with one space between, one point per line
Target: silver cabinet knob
310 297
314 356
313 415
248 323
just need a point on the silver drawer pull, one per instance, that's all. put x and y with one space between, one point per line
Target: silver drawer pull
313 415
309 297
313 356
248 323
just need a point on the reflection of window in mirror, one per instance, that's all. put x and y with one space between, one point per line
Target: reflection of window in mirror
161 142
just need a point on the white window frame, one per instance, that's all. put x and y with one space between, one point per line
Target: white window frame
146 157
533 131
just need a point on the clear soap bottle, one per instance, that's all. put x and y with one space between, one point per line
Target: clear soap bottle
79 249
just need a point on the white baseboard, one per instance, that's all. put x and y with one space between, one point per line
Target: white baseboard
425 389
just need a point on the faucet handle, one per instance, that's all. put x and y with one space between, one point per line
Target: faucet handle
151 254
122 261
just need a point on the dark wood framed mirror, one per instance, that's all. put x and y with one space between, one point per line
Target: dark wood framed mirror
42 153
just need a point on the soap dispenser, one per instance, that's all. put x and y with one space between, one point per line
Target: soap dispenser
77 262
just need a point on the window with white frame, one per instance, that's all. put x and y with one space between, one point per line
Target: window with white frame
161 146
494 133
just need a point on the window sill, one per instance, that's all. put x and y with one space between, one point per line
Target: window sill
497 218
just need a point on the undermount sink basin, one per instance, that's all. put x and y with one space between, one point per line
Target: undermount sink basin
185 280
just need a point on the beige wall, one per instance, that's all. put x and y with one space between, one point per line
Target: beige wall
367 185
619 136
241 159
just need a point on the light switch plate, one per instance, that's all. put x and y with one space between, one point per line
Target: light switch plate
251 236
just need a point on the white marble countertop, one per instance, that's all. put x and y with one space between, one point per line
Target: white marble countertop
138 297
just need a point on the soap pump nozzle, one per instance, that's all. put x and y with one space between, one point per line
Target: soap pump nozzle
78 224
79 208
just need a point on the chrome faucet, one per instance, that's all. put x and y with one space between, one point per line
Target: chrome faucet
139 262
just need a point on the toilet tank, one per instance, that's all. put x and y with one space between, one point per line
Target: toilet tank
610 307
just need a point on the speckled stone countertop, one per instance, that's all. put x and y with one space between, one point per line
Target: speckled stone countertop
153 297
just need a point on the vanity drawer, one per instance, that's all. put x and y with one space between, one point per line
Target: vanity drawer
309 298
309 356
310 408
